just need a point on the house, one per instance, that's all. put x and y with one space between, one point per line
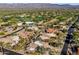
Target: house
9 29
38 43
33 28
62 23
7 16
23 15
44 38
50 30
50 34
46 45
32 47
24 34
64 27
15 40
19 24
30 24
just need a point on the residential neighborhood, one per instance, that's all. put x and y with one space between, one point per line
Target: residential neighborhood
37 32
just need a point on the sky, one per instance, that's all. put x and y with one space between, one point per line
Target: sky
39 1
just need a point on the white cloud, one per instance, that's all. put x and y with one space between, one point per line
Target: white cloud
39 1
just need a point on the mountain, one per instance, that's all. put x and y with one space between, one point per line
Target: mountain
36 5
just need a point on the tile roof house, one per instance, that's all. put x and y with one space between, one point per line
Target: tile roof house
50 30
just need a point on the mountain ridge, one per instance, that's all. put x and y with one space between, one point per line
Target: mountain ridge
36 5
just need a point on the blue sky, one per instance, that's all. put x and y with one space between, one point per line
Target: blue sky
39 1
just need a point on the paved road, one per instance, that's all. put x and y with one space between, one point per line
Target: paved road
69 38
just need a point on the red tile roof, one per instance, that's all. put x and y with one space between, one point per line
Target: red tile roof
50 30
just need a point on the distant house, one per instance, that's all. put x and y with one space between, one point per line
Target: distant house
33 28
7 16
62 23
23 15
63 27
30 24
19 24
